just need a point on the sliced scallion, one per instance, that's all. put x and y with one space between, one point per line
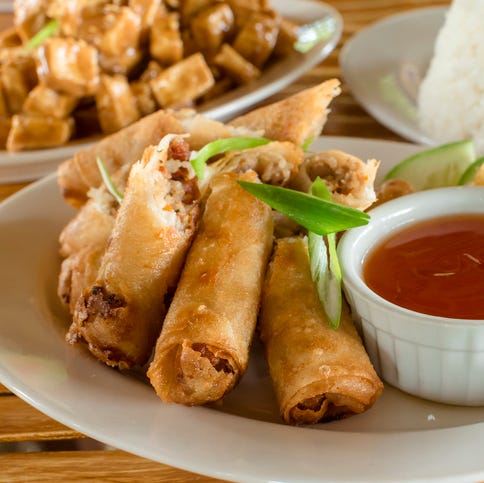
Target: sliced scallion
108 181
48 30
199 159
325 267
315 214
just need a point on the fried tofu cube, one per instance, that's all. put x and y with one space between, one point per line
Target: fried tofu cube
5 124
153 70
212 26
115 103
121 31
166 44
235 66
36 132
146 10
15 86
29 17
4 111
244 9
189 8
288 35
43 100
183 82
69 66
145 100
10 38
257 38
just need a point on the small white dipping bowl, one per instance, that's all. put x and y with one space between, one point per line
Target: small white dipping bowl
436 358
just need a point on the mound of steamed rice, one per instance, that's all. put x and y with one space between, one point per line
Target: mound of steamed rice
451 96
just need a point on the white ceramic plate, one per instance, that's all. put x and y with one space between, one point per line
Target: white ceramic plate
24 166
401 438
383 64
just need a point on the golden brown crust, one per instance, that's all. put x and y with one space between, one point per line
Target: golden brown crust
318 373
297 118
121 313
349 179
203 348
78 174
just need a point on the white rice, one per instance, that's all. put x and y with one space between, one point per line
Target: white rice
451 96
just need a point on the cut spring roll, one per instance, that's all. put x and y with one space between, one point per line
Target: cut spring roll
120 315
77 175
349 179
297 118
318 373
203 348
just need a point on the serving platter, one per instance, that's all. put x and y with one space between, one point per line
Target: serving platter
383 65
402 438
26 166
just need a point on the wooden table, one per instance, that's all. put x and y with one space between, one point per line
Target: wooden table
30 441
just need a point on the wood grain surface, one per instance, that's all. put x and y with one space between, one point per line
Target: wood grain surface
25 433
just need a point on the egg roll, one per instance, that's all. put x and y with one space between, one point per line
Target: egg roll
318 373
349 179
76 175
298 118
203 348
120 315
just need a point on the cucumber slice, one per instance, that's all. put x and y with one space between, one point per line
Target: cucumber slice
470 173
435 167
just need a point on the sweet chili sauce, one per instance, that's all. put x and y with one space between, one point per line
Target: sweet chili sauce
433 267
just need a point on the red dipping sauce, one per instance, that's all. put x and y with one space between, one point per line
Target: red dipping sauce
434 267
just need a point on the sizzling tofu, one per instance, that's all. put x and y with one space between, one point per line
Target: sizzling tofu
29 17
143 95
115 103
120 40
35 132
16 74
69 66
235 66
166 44
183 82
257 39
45 101
212 26
146 10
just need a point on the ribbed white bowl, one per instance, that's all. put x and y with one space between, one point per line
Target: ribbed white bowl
436 358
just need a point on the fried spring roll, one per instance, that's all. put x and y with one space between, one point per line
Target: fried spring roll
120 315
349 179
275 162
297 118
203 348
94 222
78 174
318 373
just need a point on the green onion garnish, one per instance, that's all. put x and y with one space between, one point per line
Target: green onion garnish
326 276
199 159
315 214
108 181
48 30
309 35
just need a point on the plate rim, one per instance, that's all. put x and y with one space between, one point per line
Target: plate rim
252 444
385 116
30 165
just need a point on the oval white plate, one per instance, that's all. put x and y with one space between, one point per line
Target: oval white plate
383 64
401 438
29 165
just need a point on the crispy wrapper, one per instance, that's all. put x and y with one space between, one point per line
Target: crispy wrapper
120 316
297 118
203 348
349 179
318 373
78 174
